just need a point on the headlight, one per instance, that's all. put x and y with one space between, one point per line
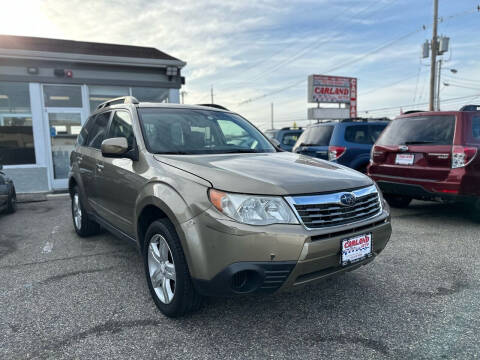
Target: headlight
252 209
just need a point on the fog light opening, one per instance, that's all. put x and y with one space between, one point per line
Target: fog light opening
245 281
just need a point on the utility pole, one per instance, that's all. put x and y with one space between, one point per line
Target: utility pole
271 113
434 56
211 93
438 83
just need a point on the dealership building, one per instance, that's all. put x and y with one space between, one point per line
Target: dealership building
48 88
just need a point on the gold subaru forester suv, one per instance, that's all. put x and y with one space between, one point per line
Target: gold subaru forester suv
214 207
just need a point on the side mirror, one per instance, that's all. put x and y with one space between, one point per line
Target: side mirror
114 147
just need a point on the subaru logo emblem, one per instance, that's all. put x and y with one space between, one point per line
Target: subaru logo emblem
348 199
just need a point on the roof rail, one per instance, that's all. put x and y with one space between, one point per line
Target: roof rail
118 100
216 106
470 108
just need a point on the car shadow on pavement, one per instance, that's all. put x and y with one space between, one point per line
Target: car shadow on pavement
452 211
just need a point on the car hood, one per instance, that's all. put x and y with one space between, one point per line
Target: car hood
279 173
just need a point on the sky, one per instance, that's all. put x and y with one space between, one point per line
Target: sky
257 52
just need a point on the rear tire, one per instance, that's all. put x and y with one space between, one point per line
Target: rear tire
173 292
84 226
12 202
476 211
398 201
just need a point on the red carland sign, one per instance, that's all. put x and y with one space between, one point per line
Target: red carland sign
333 89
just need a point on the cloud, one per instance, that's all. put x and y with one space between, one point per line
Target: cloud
249 48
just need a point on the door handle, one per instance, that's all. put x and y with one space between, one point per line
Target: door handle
100 167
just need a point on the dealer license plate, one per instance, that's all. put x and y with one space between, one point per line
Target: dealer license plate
404 159
356 249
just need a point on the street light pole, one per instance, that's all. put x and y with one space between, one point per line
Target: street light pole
434 56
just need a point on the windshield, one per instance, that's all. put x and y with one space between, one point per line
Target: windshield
419 130
191 131
317 135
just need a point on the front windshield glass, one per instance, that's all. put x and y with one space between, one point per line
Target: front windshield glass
191 131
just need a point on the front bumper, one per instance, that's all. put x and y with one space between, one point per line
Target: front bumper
229 258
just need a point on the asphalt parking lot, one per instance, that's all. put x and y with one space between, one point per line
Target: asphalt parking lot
65 297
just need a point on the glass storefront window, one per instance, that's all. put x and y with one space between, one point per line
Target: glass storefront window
62 96
16 132
100 94
150 94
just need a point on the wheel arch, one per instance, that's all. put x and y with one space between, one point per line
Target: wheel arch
160 201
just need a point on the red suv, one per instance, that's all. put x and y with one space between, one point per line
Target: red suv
429 156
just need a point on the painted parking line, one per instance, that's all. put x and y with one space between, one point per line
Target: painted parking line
48 247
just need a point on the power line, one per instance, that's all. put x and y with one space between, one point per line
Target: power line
425 27
387 86
347 63
304 49
461 86
417 104
460 79
315 44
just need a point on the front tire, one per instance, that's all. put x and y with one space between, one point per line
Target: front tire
398 201
12 202
84 226
167 271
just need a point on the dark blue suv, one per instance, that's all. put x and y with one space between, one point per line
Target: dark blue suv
287 137
347 142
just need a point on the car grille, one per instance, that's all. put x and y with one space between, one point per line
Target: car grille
318 211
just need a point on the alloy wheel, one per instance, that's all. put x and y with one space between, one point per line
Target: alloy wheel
77 211
161 268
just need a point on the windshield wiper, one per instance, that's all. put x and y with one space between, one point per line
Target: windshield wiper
239 151
419 142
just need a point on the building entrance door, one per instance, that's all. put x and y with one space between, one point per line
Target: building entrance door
64 113
64 126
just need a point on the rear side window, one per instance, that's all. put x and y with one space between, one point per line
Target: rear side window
357 134
473 129
290 139
316 135
363 134
98 129
476 127
419 130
